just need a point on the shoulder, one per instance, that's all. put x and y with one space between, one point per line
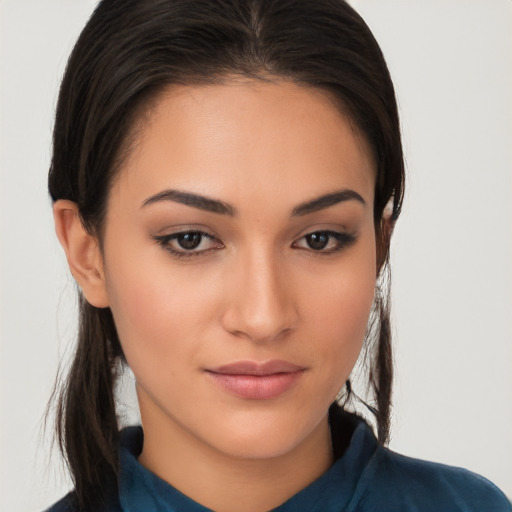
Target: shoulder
131 439
66 504
390 482
413 485
69 504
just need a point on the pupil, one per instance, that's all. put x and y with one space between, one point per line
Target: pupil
317 241
189 240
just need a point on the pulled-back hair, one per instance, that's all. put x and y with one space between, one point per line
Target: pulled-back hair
129 51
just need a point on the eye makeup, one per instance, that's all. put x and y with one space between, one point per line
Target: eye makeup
192 243
325 241
188 243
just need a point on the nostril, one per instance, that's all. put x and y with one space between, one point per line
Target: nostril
260 305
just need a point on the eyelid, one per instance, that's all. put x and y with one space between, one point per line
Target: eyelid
165 240
341 237
169 229
344 240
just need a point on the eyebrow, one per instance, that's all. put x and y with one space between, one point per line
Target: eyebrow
215 206
195 200
327 200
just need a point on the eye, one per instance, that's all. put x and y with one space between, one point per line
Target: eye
325 241
188 243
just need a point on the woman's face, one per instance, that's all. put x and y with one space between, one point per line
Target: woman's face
240 263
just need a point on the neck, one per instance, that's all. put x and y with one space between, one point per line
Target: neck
227 483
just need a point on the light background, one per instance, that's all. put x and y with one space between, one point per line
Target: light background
452 253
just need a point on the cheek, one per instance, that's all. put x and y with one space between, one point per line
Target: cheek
339 307
153 308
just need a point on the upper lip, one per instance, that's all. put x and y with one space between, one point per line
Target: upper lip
254 368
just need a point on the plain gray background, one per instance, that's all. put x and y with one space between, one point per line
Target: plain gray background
452 254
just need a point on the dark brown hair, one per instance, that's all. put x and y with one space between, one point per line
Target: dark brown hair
128 52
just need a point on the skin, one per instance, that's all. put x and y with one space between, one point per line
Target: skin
254 291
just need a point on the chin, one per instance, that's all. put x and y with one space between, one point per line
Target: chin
263 436
257 447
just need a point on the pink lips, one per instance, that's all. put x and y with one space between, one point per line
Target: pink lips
256 381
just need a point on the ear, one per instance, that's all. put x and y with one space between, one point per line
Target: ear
82 252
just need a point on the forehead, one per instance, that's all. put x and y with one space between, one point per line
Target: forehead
246 139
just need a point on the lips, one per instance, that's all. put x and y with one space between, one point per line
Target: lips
256 381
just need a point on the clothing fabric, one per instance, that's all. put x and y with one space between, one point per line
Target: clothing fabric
366 477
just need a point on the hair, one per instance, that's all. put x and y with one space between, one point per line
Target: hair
130 51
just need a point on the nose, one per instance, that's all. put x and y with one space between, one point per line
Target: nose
261 304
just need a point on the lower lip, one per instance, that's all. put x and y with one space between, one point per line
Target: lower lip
257 387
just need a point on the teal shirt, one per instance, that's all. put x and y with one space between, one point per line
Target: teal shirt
366 477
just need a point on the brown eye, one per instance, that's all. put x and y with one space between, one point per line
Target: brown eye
317 241
325 242
186 244
189 241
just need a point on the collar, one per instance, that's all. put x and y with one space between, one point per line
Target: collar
353 442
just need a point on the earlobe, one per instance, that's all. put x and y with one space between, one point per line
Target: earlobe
82 252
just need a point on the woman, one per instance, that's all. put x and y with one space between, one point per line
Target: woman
226 176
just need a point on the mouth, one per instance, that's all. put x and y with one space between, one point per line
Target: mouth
256 381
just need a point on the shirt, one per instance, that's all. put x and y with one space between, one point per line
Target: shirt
366 477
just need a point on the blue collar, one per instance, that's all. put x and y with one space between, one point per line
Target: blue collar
142 491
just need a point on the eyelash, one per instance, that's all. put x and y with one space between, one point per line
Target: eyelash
343 241
165 242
